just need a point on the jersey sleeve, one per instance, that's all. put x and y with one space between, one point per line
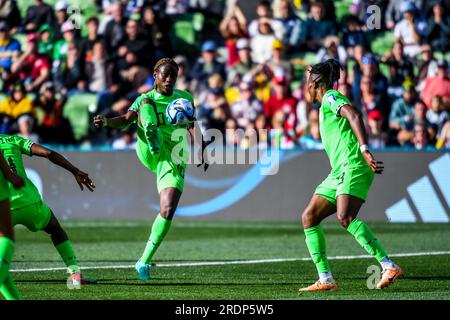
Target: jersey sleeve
23 144
336 100
135 107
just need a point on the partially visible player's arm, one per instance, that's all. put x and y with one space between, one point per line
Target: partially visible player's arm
81 177
357 124
16 180
120 122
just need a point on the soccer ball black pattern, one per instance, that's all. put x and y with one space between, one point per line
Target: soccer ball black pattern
180 112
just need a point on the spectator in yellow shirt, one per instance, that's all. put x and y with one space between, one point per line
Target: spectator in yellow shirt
13 107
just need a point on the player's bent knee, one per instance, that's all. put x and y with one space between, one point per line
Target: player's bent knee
308 217
167 211
344 220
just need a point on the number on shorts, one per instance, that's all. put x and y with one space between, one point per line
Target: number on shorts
341 178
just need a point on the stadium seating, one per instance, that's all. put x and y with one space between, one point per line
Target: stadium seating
185 33
76 111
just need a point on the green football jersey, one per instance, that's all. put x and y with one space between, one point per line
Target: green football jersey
338 139
13 147
155 114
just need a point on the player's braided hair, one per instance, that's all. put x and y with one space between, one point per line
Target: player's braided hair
327 72
164 61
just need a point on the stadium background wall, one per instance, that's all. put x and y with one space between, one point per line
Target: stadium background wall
415 187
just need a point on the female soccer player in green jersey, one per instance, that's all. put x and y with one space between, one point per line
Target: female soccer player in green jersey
346 187
154 150
27 206
7 287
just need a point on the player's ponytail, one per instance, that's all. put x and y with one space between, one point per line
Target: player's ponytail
327 73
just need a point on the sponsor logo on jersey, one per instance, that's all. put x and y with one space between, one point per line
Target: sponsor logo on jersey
331 99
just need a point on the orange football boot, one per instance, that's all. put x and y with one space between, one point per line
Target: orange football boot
389 276
319 286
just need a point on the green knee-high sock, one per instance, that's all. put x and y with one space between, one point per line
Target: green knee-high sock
159 230
364 235
315 241
8 289
7 286
66 252
6 254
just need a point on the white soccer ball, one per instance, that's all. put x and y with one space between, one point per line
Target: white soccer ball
180 112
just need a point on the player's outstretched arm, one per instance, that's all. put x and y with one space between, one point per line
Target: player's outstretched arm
16 180
120 122
81 177
357 124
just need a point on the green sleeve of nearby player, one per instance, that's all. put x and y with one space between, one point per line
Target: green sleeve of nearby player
23 144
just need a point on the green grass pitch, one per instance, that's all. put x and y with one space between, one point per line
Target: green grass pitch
120 243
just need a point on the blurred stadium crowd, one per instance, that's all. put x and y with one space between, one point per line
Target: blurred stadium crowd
60 64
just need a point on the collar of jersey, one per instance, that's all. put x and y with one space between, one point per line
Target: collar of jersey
157 94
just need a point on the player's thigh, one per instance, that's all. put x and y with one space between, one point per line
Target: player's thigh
318 209
145 157
35 216
351 193
327 188
348 207
6 229
170 174
4 189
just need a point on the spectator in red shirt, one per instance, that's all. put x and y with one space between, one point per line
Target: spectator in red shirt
32 67
281 99
52 126
437 86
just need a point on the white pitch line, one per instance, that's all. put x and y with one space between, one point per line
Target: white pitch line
237 262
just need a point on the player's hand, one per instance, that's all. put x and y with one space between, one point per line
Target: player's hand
16 180
374 165
83 179
99 121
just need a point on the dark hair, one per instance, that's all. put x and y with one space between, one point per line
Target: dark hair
100 41
165 61
264 3
93 19
327 72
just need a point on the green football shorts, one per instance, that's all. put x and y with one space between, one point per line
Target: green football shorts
352 181
168 173
4 189
35 217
